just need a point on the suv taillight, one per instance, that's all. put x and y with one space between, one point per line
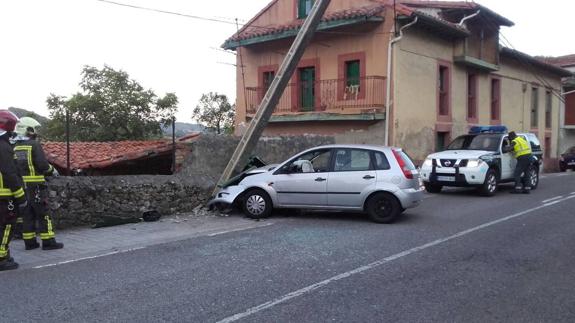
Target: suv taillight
403 164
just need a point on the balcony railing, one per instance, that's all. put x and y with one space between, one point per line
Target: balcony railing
332 96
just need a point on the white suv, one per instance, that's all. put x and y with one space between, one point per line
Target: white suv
479 159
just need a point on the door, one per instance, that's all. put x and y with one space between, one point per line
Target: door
353 173
303 181
508 162
307 88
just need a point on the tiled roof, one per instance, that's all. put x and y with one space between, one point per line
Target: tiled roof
90 155
563 61
456 5
522 57
250 31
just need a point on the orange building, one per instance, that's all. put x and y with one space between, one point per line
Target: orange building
446 72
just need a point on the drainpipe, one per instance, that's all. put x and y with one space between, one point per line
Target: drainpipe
388 78
460 24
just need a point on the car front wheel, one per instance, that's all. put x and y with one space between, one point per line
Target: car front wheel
533 177
383 208
489 186
257 204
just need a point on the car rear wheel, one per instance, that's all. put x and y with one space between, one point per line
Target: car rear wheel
489 186
383 208
257 204
533 177
432 188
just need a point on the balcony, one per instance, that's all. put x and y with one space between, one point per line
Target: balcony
336 99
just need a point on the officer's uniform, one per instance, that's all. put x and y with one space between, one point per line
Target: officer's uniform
33 166
522 152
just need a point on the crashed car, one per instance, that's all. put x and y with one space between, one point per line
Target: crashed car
379 181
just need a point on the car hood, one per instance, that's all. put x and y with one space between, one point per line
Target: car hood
263 169
460 154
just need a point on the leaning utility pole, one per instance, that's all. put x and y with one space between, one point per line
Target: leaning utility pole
256 127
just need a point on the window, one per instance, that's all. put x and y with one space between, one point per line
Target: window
381 162
268 77
443 90
352 71
352 160
534 107
441 140
316 161
548 109
472 97
303 8
547 147
495 100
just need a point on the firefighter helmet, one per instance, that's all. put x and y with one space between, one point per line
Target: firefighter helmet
8 121
27 126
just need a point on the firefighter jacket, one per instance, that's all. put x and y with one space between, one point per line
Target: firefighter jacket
11 186
32 163
520 147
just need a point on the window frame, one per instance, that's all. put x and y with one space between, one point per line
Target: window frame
444 96
342 75
472 98
261 79
299 4
548 109
334 159
495 100
534 108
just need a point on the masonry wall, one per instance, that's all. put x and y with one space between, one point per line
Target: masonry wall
86 200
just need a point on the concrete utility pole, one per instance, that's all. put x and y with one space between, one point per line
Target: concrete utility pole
259 122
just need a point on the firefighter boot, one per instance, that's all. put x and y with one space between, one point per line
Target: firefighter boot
8 264
31 244
51 244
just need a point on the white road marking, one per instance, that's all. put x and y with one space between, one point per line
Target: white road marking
553 198
310 288
86 258
239 229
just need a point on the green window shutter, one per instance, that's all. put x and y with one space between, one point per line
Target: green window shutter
352 73
303 8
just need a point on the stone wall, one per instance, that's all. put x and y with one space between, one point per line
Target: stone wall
86 200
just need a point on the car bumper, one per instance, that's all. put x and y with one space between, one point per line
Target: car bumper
452 176
227 195
410 197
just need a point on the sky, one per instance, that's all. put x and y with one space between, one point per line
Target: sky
46 43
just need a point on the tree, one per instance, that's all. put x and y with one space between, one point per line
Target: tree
215 112
112 107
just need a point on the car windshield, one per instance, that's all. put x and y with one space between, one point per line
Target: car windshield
475 142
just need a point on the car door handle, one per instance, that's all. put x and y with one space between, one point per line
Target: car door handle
320 179
368 177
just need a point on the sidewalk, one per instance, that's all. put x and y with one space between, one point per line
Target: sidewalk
83 243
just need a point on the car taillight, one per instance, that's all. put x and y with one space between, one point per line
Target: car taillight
403 165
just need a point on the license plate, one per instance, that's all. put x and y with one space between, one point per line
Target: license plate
446 178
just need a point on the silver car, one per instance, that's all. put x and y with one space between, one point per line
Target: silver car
380 181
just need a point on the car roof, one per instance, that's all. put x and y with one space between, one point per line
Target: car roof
354 146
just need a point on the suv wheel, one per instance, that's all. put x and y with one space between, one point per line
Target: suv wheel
533 177
432 188
383 208
257 204
489 186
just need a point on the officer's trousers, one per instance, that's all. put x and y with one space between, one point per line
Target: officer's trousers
7 222
36 218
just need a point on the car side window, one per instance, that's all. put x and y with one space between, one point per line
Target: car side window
381 162
505 145
352 160
316 161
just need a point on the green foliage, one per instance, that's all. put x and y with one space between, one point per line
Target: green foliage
111 107
215 112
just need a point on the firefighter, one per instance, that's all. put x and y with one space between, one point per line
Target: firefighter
33 166
521 152
12 196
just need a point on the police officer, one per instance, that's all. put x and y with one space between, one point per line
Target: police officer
521 152
12 196
33 166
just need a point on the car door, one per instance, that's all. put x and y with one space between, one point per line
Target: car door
508 162
353 172
303 181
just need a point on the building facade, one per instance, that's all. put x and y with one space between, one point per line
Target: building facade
446 72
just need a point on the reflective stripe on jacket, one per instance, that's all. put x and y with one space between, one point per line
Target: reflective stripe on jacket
521 147
32 162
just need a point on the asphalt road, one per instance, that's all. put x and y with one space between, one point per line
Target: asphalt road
456 258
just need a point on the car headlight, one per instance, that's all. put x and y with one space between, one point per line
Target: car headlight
474 162
427 162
